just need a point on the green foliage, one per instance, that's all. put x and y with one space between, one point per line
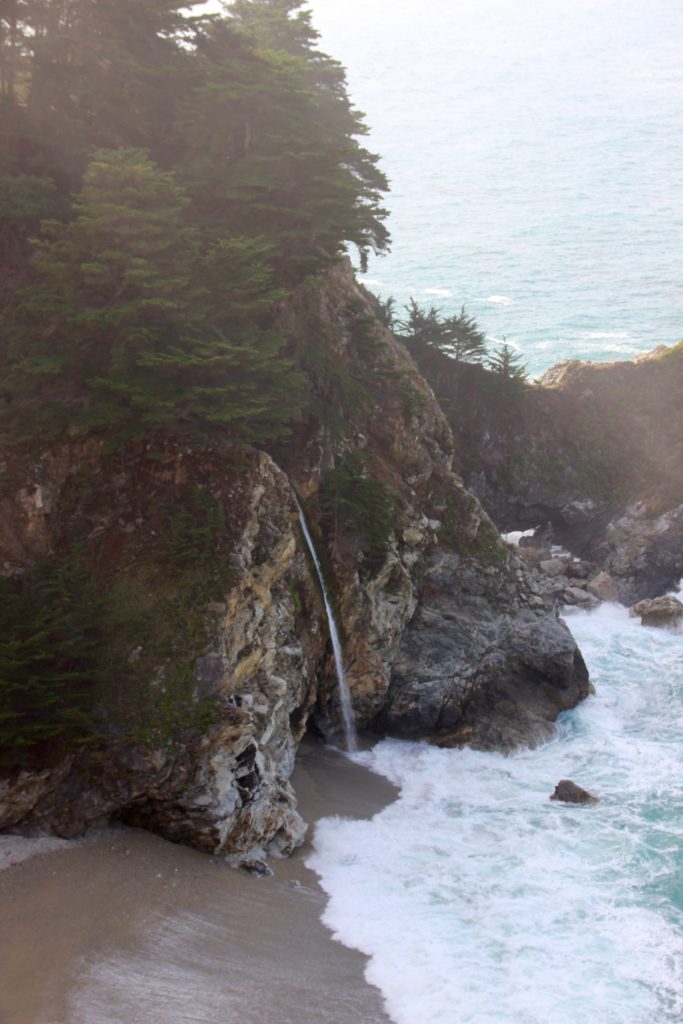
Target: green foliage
137 339
193 531
340 390
25 200
155 618
271 148
458 336
358 504
227 167
49 637
75 654
506 363
295 595
675 351
386 312
277 24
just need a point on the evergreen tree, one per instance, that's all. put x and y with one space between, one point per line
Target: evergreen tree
135 340
458 336
273 147
386 312
506 363
463 340
422 326
278 25
150 301
90 73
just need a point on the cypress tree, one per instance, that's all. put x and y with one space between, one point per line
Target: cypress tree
507 364
136 339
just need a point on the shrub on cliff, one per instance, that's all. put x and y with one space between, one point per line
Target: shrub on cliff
357 504
49 635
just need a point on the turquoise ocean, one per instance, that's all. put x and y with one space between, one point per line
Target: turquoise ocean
535 154
536 159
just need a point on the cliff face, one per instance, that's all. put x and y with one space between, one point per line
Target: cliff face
200 756
594 450
216 647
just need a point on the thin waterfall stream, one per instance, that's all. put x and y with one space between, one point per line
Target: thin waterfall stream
344 693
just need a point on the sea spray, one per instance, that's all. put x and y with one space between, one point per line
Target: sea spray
478 899
344 693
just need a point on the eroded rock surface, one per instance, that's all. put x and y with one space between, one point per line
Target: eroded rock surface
221 786
478 665
591 453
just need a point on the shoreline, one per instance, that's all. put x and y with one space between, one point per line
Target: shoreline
124 926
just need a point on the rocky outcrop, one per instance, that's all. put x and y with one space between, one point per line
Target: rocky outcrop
385 605
481 663
642 547
220 785
446 634
591 451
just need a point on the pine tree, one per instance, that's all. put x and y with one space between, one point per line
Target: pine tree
273 142
458 336
423 326
277 24
386 312
506 363
133 336
463 340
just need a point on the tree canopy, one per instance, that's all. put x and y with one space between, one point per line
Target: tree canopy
507 363
457 336
179 174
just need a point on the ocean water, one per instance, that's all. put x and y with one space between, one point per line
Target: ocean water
480 901
534 151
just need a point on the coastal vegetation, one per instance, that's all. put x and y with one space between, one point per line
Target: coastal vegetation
167 180
427 330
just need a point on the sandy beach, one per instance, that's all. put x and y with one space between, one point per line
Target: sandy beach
125 928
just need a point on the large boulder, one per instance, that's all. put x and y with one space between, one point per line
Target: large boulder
603 587
659 611
480 664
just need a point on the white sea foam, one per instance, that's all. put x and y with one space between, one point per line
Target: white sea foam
509 341
605 335
442 293
499 300
515 536
478 899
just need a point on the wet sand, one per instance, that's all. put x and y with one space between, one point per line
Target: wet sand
125 928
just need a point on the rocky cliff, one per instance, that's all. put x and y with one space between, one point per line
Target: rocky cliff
213 654
592 450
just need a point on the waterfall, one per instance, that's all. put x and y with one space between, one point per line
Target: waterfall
344 694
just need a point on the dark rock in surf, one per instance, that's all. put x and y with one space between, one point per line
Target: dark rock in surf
569 793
